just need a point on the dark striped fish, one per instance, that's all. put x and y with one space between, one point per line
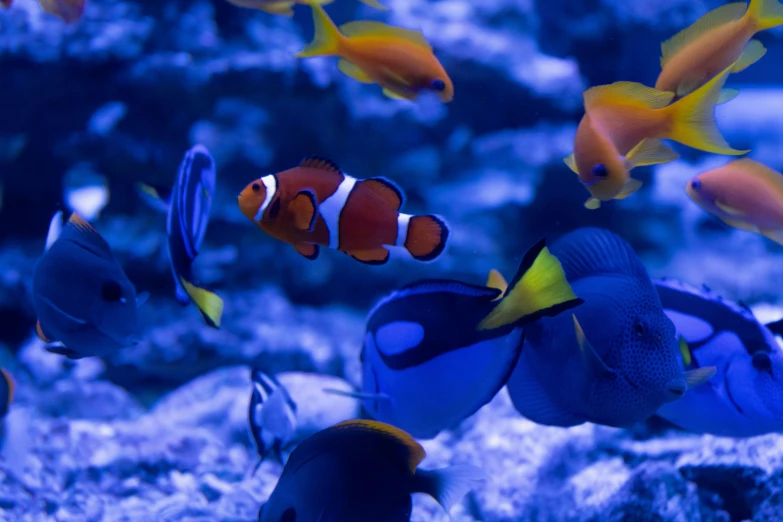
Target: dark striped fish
271 416
189 203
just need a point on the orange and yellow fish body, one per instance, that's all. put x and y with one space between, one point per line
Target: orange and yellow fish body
719 39
67 10
399 60
316 204
622 128
743 194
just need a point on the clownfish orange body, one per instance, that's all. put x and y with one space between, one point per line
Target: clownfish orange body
315 204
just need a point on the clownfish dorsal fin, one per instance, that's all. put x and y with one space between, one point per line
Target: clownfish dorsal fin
415 451
304 208
496 280
387 190
320 163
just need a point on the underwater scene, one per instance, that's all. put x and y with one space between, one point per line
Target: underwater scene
391 260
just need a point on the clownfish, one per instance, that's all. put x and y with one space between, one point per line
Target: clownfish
285 7
315 203
399 60
717 40
67 10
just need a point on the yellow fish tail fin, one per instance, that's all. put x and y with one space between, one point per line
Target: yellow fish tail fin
538 289
374 3
766 14
208 303
693 118
496 280
327 38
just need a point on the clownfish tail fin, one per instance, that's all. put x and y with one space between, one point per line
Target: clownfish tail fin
327 38
426 236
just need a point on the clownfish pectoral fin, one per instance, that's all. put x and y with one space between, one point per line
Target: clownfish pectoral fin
715 18
728 209
685 351
387 190
397 96
496 280
304 208
570 160
593 204
41 335
727 94
774 235
209 304
752 53
649 152
631 186
699 376
352 70
427 236
308 250
590 358
375 256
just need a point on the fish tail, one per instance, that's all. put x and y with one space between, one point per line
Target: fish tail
426 238
327 38
693 118
448 485
765 14
374 3
209 304
538 289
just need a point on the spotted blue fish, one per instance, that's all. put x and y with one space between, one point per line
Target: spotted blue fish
271 416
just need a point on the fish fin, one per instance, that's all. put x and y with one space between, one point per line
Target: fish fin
415 452
687 86
448 485
87 232
592 362
396 96
752 53
570 160
427 236
727 94
305 210
741 225
10 384
279 8
62 313
728 209
352 70
590 251
496 280
693 118
538 289
63 350
41 335
327 38
308 250
320 163
375 4
775 235
357 395
388 191
373 28
374 256
631 186
209 304
699 376
765 14
649 152
156 197
592 203
630 93
715 18
141 299
776 327
685 351
55 229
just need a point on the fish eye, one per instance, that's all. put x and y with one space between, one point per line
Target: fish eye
696 184
600 170
275 210
111 291
438 85
256 187
289 515
640 328
762 362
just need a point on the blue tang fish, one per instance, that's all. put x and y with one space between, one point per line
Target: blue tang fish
361 471
271 416
188 205
612 361
83 299
746 396
437 350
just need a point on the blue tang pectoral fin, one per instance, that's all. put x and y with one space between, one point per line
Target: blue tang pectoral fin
593 364
72 321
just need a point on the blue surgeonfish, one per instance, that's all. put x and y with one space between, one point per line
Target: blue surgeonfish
188 205
437 350
746 396
271 416
83 299
361 471
612 361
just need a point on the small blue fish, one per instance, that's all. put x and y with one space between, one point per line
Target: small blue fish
613 360
188 205
81 295
746 396
361 471
271 416
437 350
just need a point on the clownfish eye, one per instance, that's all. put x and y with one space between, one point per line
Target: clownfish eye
696 184
289 515
600 170
256 187
275 209
111 291
437 84
762 362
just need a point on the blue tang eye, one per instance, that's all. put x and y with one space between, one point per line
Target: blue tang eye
438 85
762 362
600 170
696 184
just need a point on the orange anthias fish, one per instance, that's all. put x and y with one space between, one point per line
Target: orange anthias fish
743 194
286 7
316 204
67 10
718 39
399 60
622 128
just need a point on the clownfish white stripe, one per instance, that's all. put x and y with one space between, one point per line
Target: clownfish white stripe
270 183
403 222
332 207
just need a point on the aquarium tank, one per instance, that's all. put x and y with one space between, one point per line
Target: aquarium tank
391 260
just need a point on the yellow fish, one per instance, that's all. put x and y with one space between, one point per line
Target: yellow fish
286 7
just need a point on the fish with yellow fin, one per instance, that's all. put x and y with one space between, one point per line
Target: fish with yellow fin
286 7
68 11
399 60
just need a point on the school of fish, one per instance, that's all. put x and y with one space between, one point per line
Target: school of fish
580 333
